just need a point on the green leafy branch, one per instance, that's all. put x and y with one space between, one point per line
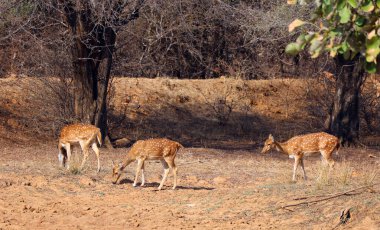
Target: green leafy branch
340 27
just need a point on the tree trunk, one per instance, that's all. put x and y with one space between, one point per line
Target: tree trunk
344 117
92 51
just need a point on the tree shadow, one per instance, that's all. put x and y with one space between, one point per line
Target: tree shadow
192 129
125 181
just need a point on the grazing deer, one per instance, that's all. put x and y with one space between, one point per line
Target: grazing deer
84 134
161 149
298 146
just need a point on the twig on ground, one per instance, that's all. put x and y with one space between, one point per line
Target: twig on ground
330 196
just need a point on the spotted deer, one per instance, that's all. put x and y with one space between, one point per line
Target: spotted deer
161 149
84 134
301 145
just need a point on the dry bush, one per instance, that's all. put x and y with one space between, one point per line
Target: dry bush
369 110
318 97
206 39
227 100
181 39
54 100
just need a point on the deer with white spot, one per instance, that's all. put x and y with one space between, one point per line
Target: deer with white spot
84 134
161 149
299 146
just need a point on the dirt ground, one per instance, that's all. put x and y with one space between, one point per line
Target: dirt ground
218 189
224 181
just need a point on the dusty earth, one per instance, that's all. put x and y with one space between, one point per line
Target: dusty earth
218 189
224 181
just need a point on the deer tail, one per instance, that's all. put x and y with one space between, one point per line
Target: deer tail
338 145
99 137
180 146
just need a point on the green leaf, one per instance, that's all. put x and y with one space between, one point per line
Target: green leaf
301 39
368 6
373 49
360 21
370 67
341 4
378 3
345 15
296 23
293 48
327 8
310 36
327 2
314 45
344 46
335 33
353 3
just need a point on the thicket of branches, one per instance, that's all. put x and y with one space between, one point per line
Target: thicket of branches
181 39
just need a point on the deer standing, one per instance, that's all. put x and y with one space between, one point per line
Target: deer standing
84 134
301 145
161 149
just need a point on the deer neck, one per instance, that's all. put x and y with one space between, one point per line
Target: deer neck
281 147
126 162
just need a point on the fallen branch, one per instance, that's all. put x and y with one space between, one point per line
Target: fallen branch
330 197
307 197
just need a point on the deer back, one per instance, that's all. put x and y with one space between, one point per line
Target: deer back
78 132
154 148
313 142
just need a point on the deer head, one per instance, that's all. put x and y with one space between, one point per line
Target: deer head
268 144
116 171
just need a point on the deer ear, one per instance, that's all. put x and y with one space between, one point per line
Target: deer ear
270 137
113 163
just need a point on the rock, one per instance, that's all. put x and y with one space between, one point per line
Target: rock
123 142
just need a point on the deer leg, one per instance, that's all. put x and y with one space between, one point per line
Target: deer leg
166 172
96 150
61 156
303 169
296 163
142 175
84 148
326 158
331 163
172 166
68 151
140 162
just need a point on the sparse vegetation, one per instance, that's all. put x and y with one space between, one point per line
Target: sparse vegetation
222 83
